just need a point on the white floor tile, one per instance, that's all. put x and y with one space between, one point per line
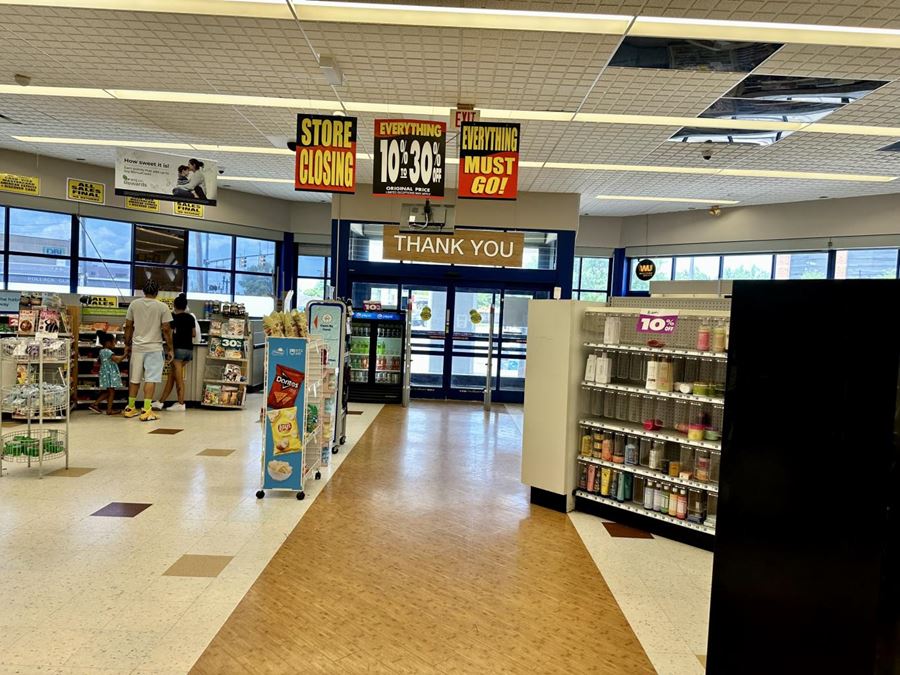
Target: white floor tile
100 580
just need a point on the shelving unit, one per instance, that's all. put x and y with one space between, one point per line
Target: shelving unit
40 394
92 319
665 441
225 375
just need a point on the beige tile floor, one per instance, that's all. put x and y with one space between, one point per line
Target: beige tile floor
83 594
662 587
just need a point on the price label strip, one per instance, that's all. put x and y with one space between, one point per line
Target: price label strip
409 158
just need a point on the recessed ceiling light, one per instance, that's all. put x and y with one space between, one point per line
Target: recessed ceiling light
254 179
684 200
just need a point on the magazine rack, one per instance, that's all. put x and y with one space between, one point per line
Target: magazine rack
225 373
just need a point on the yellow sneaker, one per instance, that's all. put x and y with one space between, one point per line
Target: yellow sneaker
149 416
131 412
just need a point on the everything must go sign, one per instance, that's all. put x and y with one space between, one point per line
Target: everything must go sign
463 247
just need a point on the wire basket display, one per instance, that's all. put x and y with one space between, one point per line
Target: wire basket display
28 349
25 446
25 399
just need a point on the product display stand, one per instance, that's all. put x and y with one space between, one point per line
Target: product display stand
328 319
225 375
40 393
87 373
653 384
293 429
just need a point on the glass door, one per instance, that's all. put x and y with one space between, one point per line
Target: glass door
469 341
513 338
428 339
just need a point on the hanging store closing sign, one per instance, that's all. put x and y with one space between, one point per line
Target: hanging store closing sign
409 158
488 160
463 247
326 154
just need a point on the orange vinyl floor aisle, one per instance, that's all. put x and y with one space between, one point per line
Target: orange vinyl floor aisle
423 555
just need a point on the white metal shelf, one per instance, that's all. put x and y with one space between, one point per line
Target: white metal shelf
210 357
649 392
638 430
656 350
634 508
214 381
650 473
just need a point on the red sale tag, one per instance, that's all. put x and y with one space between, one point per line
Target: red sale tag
652 321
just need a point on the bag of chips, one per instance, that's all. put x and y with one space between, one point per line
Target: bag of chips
285 434
285 387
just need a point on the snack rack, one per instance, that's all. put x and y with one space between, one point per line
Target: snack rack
293 420
40 391
225 373
87 373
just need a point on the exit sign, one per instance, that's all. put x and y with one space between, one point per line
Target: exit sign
457 117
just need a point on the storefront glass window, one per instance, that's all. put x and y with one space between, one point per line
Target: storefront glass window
209 250
875 263
254 255
697 268
40 232
32 273
209 285
312 277
255 291
104 278
663 273
104 239
801 266
747 266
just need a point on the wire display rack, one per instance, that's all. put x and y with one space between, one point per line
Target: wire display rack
41 392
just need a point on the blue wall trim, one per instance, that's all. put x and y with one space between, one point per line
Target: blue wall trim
619 273
287 280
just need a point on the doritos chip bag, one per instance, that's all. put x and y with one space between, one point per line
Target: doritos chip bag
285 387
285 434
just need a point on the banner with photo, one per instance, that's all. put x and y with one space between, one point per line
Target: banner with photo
326 153
409 158
174 178
488 160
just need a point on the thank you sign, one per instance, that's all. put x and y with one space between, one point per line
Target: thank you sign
463 247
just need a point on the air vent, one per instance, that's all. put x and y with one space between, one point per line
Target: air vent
5 119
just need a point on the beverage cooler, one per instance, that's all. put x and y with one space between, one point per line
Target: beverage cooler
377 342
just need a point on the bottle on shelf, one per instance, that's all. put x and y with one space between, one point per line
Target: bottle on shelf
604 369
605 478
718 337
612 330
681 508
664 380
658 497
649 495
703 336
673 502
652 369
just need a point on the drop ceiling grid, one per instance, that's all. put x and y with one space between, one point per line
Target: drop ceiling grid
646 91
839 153
880 108
233 52
838 62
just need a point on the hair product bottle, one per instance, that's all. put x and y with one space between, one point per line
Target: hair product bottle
603 369
652 367
605 476
718 337
703 337
649 494
681 510
592 470
673 502
664 380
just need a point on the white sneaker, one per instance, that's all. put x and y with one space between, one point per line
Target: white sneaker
157 405
177 407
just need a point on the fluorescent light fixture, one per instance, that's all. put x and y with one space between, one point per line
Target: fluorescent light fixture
255 179
75 92
572 166
760 31
747 173
105 142
242 149
680 200
461 17
444 112
505 19
807 175
220 99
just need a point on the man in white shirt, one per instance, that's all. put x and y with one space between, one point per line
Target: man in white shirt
147 325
